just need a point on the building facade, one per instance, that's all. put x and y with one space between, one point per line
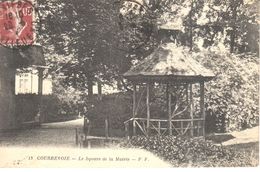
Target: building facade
7 96
10 60
26 82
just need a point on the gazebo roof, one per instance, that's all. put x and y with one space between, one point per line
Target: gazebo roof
169 63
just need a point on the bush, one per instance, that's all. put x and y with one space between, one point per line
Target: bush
232 96
115 107
54 109
181 151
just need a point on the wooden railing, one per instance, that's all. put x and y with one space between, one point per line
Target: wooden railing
191 127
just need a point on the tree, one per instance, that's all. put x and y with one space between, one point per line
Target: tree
118 33
88 41
81 33
228 22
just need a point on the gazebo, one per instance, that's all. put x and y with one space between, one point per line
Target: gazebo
179 77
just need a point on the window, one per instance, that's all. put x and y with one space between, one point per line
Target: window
23 86
20 85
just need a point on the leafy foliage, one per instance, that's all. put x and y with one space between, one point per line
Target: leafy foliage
87 41
102 39
52 108
114 107
182 151
230 22
233 94
78 37
195 23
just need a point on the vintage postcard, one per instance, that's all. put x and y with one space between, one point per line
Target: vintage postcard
129 83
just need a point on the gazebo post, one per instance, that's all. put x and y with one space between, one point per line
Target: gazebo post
191 111
202 106
134 109
169 109
187 93
148 107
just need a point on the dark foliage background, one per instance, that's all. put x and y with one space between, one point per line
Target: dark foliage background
52 108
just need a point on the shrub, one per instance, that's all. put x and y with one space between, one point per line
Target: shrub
54 109
232 96
181 151
115 107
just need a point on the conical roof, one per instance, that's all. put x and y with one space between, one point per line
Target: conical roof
169 61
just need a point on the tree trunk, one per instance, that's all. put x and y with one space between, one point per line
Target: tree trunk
99 90
191 27
40 87
233 33
90 87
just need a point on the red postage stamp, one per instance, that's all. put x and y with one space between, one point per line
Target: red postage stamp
16 22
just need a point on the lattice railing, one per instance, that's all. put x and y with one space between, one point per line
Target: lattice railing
191 127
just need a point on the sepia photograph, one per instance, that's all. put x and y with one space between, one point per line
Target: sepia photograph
129 83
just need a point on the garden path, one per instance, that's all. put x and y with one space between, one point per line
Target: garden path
245 136
58 139
58 134
77 123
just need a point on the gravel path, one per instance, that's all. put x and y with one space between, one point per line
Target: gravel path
61 134
245 136
58 140
77 123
